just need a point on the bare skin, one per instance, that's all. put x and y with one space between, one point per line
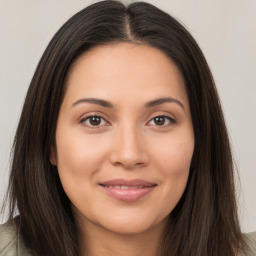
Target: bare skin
111 244
125 116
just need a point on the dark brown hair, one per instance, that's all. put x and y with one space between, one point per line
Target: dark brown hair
205 220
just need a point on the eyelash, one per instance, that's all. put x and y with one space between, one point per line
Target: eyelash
171 121
90 118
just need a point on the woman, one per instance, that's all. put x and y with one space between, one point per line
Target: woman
122 148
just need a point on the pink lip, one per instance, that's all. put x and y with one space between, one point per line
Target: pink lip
128 195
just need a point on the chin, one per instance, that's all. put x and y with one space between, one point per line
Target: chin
128 229
131 226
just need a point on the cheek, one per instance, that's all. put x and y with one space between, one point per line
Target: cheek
79 157
174 164
172 160
78 152
173 155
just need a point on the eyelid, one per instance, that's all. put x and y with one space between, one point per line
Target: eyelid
167 116
86 116
90 115
93 113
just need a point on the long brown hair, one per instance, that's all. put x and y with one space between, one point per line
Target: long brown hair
205 220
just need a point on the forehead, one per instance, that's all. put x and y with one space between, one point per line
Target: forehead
125 69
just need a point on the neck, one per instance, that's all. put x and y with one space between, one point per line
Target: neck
101 242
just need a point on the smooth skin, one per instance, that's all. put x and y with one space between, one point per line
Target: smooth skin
132 136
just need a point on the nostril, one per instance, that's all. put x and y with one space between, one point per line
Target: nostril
129 165
128 151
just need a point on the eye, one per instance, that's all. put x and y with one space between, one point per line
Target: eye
162 121
94 121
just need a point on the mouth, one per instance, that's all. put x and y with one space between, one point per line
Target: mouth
127 190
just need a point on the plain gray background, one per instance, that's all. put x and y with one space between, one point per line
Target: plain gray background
225 31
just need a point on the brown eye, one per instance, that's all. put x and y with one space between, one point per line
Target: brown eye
162 121
94 121
159 120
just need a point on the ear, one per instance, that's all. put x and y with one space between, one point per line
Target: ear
53 158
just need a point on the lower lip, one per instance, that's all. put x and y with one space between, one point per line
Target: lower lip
128 195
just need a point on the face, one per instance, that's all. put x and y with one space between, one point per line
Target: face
124 138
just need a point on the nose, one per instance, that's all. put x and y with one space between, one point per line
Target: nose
128 149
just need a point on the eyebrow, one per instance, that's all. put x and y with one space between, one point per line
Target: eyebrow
164 100
107 104
95 101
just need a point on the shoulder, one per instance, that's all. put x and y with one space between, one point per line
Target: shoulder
250 248
11 244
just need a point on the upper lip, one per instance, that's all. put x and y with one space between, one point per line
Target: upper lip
130 183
